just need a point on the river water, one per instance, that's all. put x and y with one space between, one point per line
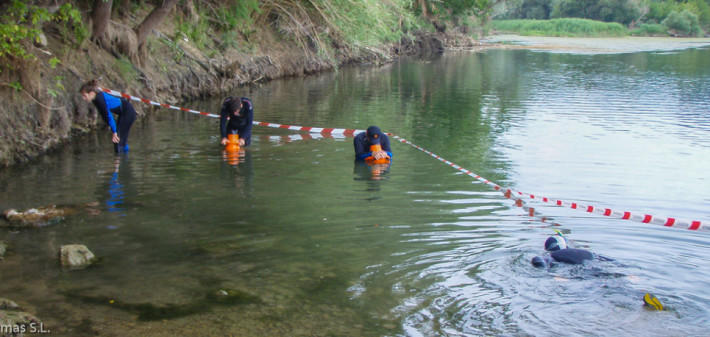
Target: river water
305 242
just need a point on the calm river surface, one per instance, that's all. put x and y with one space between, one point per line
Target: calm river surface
307 243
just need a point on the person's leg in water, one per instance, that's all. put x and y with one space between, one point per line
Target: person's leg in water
124 127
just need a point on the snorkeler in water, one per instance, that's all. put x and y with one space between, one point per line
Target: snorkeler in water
561 253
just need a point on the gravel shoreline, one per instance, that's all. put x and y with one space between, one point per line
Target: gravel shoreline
610 45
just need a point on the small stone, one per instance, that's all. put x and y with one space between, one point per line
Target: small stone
7 304
40 41
76 256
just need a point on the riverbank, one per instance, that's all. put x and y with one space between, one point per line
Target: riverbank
589 45
48 112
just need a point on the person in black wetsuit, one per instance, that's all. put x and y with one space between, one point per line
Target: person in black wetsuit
560 253
372 136
237 116
557 246
108 105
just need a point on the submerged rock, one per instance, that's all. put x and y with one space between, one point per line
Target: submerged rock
40 216
7 304
75 257
15 322
232 297
35 217
3 249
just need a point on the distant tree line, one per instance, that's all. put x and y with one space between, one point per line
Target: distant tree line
688 17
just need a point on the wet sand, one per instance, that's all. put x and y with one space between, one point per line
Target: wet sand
611 45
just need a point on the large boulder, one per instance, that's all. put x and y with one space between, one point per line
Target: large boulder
73 257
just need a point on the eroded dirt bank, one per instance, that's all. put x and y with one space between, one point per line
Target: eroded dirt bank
49 112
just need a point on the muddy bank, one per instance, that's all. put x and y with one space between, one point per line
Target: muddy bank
48 112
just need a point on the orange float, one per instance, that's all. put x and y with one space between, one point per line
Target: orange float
373 160
232 143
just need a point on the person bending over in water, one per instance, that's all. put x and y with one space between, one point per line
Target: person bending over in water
364 142
108 105
237 116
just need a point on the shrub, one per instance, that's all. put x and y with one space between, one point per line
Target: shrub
648 29
20 24
684 24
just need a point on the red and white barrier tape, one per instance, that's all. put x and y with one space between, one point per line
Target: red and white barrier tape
325 131
508 193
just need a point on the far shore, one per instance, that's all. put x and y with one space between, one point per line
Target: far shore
593 45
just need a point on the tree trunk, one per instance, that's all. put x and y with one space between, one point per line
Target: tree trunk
153 19
423 5
100 17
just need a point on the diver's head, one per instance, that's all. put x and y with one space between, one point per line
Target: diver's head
554 243
538 262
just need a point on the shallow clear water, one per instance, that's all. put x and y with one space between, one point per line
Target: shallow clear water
313 244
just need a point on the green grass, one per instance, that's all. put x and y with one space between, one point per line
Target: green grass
646 29
568 27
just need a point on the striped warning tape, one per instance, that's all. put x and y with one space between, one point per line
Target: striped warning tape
324 131
508 193
518 197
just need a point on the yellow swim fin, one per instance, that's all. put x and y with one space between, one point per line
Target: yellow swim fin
652 301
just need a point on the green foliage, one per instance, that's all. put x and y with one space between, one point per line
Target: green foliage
73 24
126 69
650 29
381 19
178 53
455 11
58 86
621 11
659 10
53 62
536 9
462 7
626 12
197 33
16 86
238 15
685 23
702 9
561 27
20 24
317 26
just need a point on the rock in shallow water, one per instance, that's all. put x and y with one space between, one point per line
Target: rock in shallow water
76 256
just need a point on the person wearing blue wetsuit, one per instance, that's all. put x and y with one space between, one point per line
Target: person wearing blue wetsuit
372 136
237 116
107 106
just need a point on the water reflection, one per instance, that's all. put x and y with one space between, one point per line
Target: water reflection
371 172
239 170
116 193
438 253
